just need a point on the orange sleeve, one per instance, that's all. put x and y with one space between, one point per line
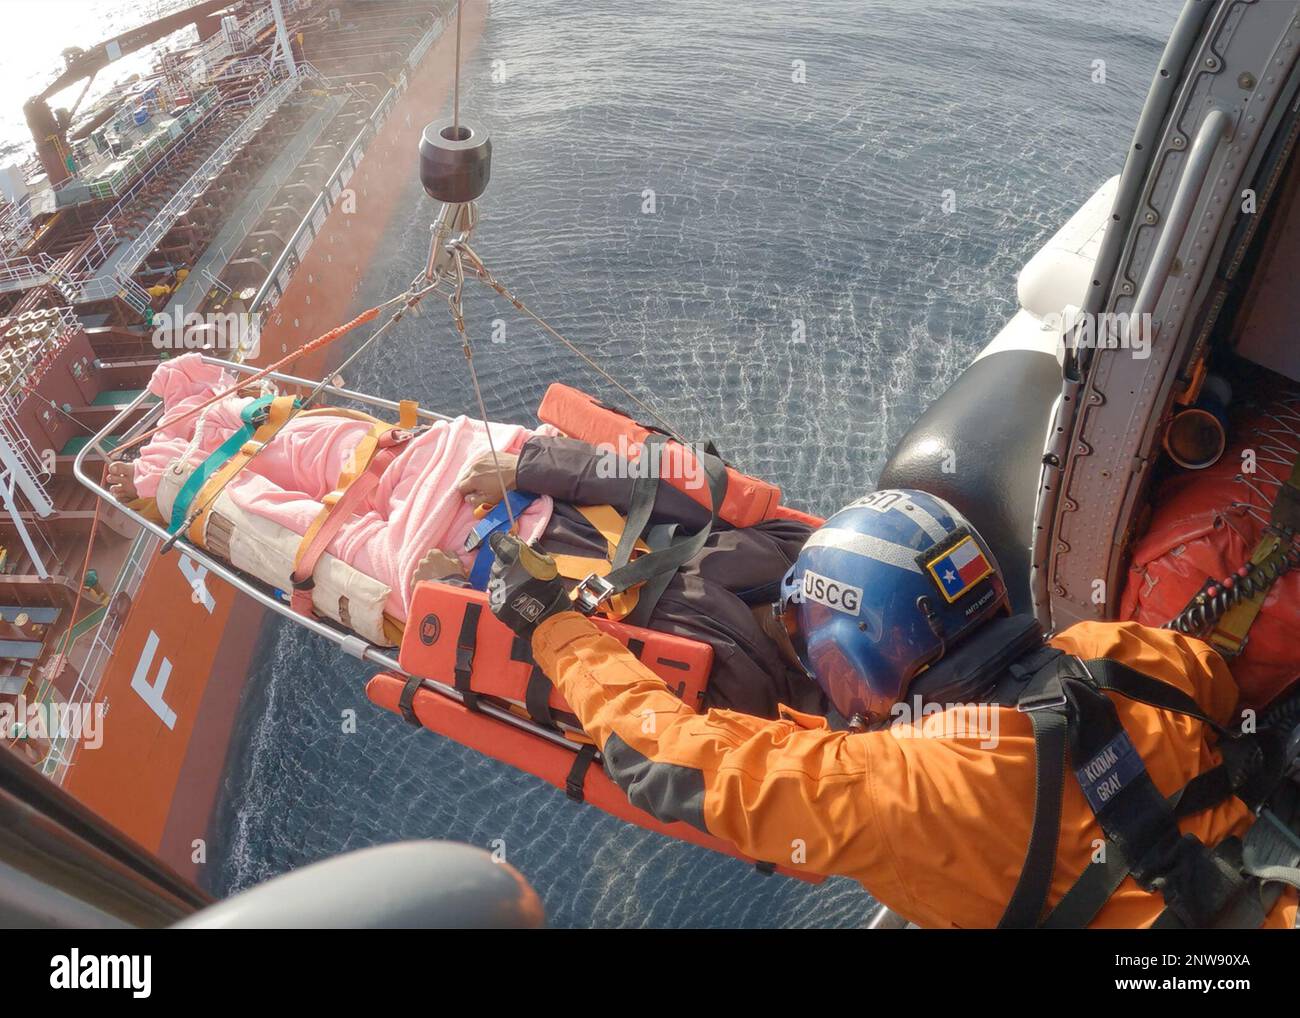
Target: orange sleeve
1182 661
789 791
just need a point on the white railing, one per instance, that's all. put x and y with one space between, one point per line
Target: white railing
10 402
278 279
244 67
18 439
427 40
105 237
63 750
114 285
126 182
135 295
24 271
16 226
222 254
207 56
210 109
179 203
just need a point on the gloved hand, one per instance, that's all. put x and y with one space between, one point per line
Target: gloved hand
524 587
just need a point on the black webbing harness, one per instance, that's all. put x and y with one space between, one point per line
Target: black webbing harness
668 553
1230 885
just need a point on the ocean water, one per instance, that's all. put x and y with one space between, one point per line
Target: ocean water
776 203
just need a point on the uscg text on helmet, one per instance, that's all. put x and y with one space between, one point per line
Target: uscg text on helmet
832 593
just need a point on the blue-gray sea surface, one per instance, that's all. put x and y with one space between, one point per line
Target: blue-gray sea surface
775 202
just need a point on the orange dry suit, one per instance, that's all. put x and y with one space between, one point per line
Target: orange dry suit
937 826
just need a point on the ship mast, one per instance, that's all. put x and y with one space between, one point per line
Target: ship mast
282 39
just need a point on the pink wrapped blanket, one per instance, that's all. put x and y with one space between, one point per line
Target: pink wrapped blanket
415 507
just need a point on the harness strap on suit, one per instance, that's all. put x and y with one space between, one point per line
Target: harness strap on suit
614 528
1067 705
1043 699
593 591
605 519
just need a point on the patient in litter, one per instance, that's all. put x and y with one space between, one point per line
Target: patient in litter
412 522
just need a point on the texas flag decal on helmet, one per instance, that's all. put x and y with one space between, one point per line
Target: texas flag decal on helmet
960 568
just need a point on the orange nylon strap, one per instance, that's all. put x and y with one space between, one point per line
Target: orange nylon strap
277 417
363 454
330 520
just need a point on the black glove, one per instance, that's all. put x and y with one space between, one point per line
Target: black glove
524 587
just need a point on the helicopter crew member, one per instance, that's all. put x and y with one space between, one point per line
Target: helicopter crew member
988 777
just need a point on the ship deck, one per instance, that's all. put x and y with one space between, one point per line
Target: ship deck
258 230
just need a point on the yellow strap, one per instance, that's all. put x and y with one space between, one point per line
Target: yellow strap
148 508
579 567
407 416
358 462
1229 636
610 523
364 451
277 417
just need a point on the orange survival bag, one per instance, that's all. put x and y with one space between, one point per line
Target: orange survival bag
1204 529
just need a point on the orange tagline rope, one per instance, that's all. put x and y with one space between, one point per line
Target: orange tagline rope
323 340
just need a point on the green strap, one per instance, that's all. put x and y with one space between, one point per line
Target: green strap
217 459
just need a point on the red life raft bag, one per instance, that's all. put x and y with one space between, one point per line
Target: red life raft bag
1206 526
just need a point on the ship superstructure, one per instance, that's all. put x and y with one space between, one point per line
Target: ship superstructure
235 182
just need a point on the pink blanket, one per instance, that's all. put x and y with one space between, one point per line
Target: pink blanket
414 508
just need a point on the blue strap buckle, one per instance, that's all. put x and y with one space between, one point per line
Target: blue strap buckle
497 519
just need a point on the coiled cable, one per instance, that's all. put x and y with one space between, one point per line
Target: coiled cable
1217 598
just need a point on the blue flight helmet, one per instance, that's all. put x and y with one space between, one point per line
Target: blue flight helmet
880 593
